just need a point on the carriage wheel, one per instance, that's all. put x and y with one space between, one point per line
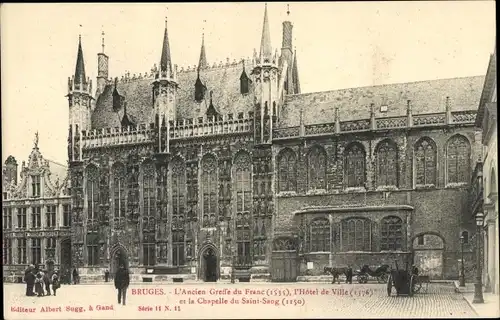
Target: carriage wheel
360 278
411 289
389 286
382 278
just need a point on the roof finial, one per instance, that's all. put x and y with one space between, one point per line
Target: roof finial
288 9
166 21
80 35
36 140
102 34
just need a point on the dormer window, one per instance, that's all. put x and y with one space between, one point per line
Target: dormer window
35 186
244 83
199 90
240 115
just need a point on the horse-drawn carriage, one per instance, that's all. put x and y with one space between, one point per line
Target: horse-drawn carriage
406 281
380 273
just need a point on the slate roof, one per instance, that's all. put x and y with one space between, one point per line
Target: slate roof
354 103
223 81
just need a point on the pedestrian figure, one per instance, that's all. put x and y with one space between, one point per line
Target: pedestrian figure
46 281
39 284
106 275
75 277
122 280
29 278
55 282
349 275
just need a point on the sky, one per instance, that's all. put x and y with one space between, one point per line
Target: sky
339 45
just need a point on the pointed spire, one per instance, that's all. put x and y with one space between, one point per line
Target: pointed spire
203 56
80 77
295 74
265 43
166 60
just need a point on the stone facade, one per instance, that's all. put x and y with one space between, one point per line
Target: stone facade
36 216
219 169
488 197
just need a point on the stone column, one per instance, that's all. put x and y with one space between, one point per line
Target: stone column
491 271
29 212
28 251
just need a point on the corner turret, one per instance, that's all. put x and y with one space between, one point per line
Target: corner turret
266 75
79 100
164 95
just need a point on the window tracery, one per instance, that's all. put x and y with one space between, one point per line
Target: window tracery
391 233
92 192
209 187
355 166
119 194
425 162
356 234
458 159
287 171
387 164
316 161
319 235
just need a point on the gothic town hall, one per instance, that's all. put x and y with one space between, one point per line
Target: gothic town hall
200 172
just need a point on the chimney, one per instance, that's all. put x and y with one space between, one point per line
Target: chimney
11 169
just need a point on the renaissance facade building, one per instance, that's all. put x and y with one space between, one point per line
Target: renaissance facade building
203 171
36 216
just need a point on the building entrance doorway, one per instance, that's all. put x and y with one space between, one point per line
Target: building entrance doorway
209 265
119 257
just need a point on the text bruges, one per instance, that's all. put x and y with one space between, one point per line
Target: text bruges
146 292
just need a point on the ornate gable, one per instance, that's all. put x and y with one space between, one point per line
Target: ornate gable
38 174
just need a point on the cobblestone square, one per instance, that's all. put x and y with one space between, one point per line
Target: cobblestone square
250 301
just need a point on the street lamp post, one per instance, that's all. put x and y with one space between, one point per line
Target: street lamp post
478 290
462 278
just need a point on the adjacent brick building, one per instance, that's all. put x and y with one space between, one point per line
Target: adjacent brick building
36 216
195 171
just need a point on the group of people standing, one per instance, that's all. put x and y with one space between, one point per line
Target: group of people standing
38 282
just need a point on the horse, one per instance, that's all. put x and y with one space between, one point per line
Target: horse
380 273
335 272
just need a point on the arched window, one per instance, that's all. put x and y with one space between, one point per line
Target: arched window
425 162
148 185
387 164
316 161
391 237
458 159
355 165
92 192
287 171
119 194
178 192
320 235
209 184
178 207
356 234
243 185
